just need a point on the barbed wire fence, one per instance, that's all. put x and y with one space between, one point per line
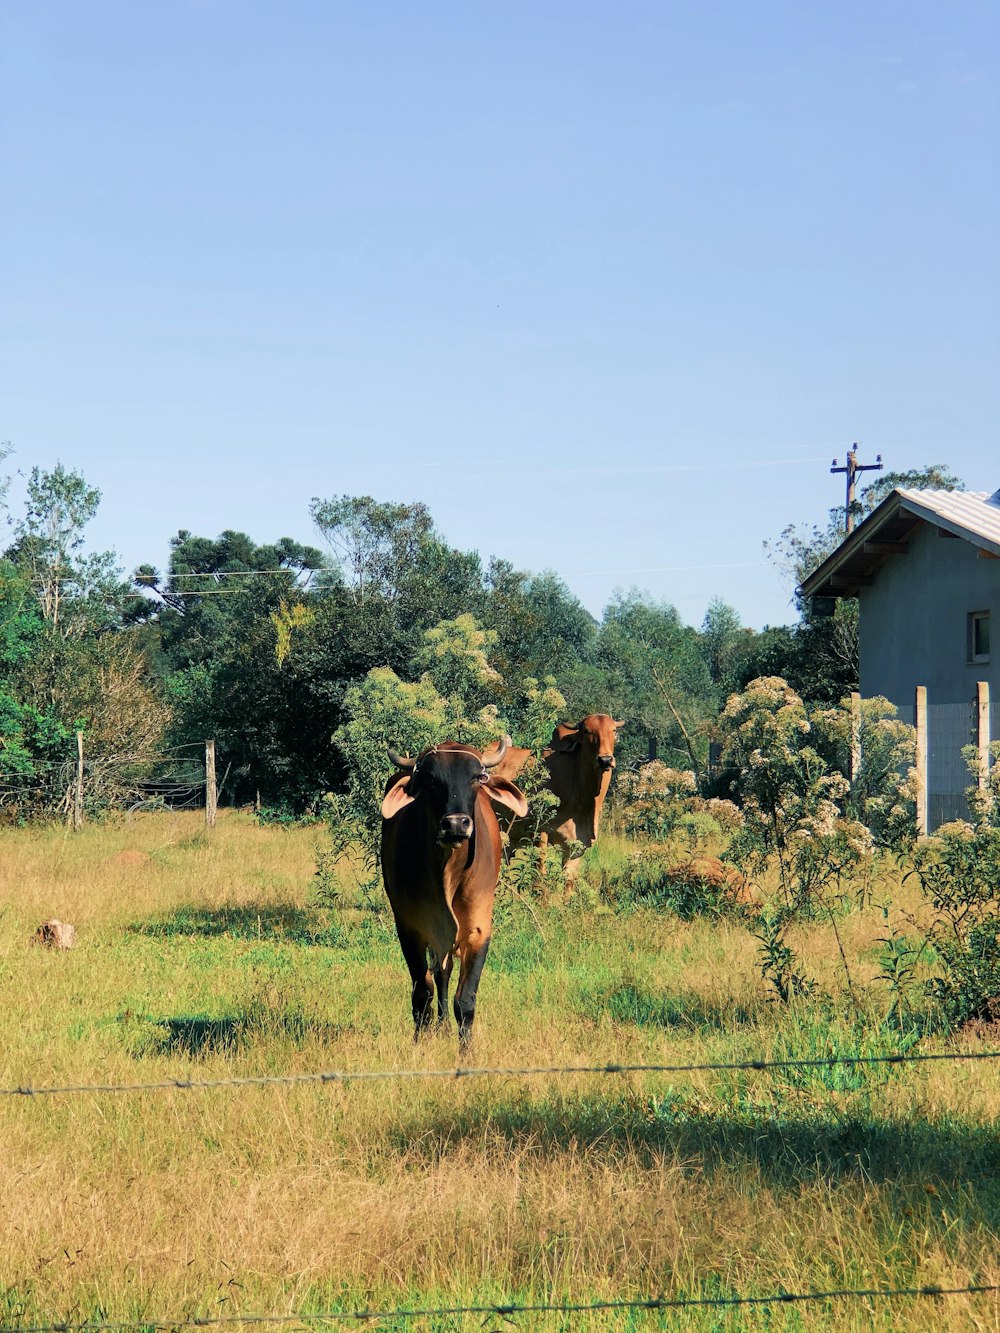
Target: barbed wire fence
508 1311
460 1072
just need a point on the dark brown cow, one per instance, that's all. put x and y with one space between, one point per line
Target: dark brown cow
440 862
580 759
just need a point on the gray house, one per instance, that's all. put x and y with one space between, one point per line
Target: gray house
925 568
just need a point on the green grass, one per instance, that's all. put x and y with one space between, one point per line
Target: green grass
207 957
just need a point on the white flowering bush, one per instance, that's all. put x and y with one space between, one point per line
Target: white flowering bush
883 790
796 824
959 873
652 800
793 806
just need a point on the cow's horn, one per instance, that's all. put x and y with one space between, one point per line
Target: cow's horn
492 763
399 760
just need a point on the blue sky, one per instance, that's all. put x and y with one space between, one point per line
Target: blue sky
606 285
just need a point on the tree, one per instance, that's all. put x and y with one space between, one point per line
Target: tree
6 449
53 685
214 583
48 545
654 675
798 550
374 544
104 688
453 656
722 637
541 628
34 742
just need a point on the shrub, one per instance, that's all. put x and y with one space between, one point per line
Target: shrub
653 799
794 822
959 873
687 886
882 792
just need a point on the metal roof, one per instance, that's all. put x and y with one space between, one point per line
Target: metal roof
973 515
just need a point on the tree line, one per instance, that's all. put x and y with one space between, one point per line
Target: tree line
270 648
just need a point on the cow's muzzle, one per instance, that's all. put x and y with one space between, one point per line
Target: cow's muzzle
455 828
605 761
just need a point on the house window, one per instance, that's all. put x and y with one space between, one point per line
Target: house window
979 636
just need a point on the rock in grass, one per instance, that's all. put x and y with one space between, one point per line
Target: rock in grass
56 935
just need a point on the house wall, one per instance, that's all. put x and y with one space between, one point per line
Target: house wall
913 630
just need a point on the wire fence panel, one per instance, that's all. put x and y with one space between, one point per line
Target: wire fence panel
950 727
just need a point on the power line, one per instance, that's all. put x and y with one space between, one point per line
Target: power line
505 1310
195 592
514 1071
666 569
574 469
578 573
235 573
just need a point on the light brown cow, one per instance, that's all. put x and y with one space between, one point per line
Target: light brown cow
580 759
440 861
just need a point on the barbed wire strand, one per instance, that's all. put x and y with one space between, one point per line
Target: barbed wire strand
161 756
513 1071
507 1309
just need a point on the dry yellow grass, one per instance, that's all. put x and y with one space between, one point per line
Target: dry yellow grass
201 956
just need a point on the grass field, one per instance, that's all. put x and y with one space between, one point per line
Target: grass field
205 957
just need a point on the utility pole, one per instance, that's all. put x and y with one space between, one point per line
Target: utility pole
852 468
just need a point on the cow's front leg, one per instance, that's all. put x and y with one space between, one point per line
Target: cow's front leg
442 980
472 951
567 838
415 953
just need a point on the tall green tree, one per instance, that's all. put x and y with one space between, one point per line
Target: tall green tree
655 677
541 628
67 661
76 591
34 741
215 585
722 638
374 544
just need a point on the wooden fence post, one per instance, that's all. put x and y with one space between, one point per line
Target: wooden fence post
78 789
920 721
855 736
211 791
983 732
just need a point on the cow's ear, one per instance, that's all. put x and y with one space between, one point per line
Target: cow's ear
616 725
568 744
396 798
502 792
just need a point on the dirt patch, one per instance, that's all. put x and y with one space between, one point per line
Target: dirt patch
132 858
726 879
